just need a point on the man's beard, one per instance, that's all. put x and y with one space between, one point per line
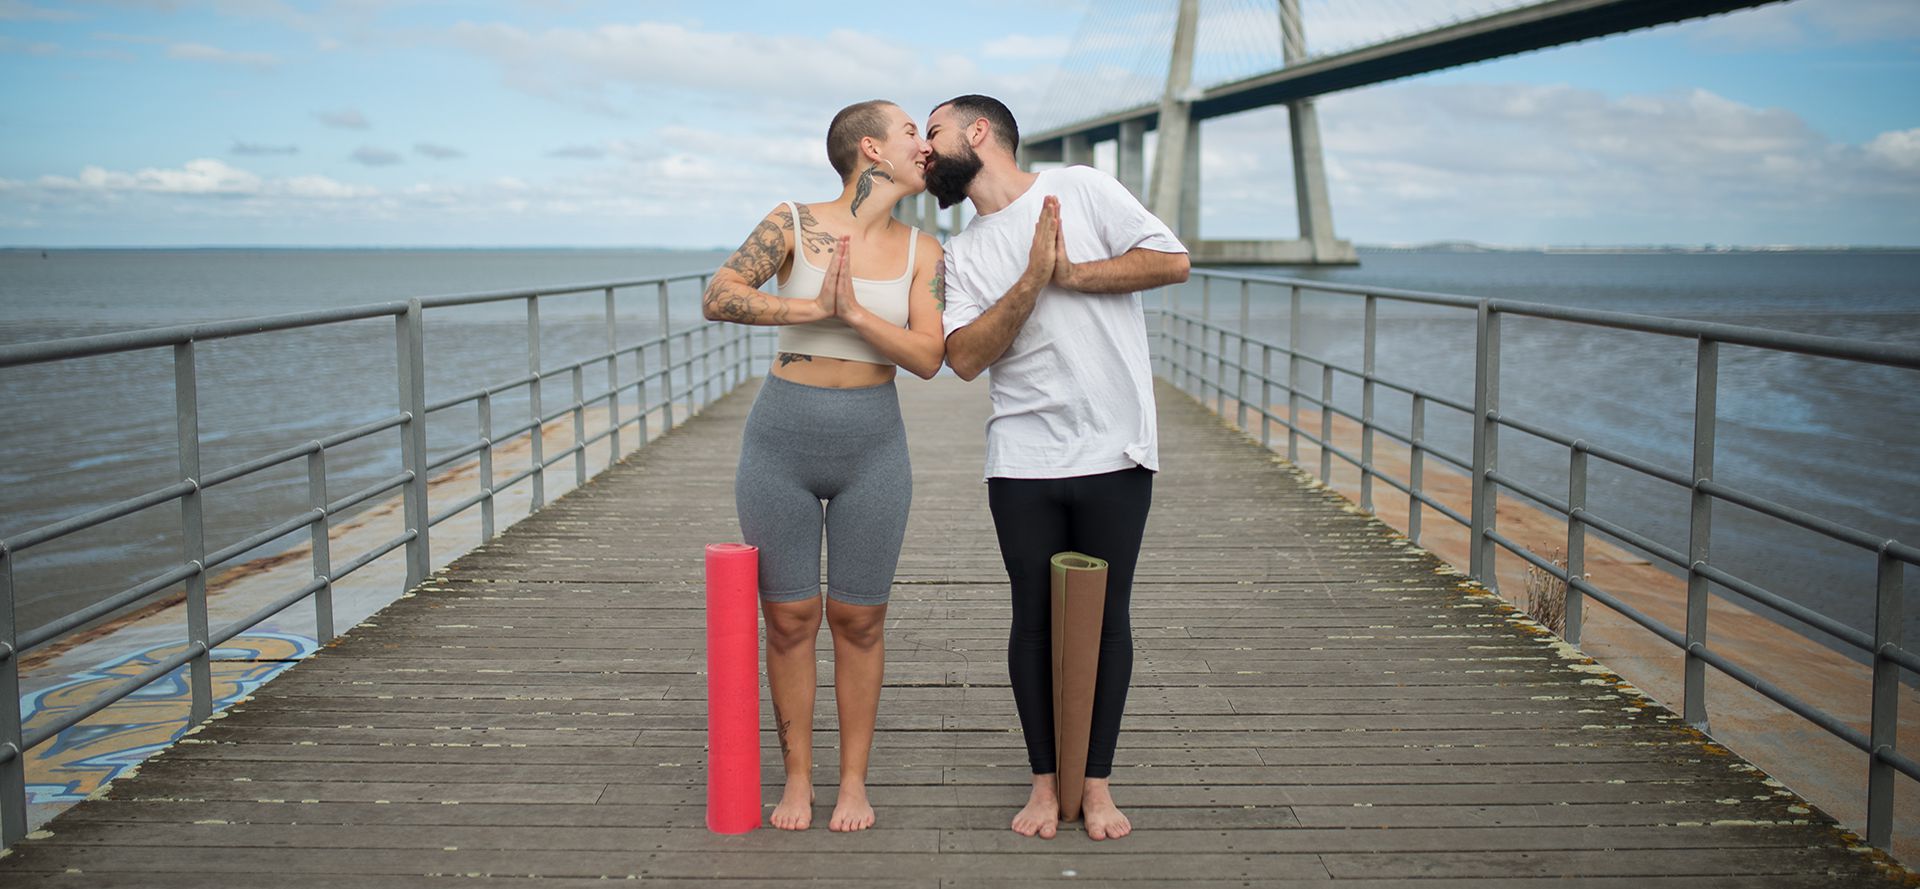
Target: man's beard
947 181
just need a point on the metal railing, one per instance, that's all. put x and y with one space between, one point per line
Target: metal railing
1205 357
687 364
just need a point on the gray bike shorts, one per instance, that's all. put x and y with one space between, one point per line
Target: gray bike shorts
806 446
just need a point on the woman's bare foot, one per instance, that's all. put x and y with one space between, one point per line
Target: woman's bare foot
852 811
1104 820
795 811
1041 816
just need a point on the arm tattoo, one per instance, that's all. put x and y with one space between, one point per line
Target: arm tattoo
762 253
787 358
865 187
938 287
817 241
757 260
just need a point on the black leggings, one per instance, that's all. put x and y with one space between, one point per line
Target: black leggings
1102 516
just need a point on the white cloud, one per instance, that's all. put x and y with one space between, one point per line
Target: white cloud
438 152
1813 22
257 149
17 11
1025 46
199 178
10 45
615 68
1899 149
371 156
579 152
200 52
205 176
344 119
1540 164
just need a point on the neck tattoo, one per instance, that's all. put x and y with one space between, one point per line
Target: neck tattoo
864 187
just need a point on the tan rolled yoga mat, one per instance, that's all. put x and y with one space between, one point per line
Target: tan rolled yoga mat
1079 605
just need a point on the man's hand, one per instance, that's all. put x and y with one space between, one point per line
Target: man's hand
1063 268
1042 259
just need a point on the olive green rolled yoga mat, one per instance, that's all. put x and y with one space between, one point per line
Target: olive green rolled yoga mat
1079 605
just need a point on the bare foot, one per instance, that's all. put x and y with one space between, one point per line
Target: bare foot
795 811
852 811
1041 816
1104 820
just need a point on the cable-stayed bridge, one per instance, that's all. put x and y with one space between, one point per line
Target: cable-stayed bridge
1122 77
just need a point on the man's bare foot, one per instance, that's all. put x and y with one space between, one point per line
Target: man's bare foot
1104 820
795 811
851 811
1041 816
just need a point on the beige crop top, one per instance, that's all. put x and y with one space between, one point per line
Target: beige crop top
831 337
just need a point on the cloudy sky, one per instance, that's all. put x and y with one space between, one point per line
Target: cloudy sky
579 122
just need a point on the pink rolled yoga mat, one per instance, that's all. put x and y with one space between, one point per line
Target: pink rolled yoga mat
733 687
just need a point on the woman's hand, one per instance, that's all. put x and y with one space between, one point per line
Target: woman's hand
846 301
837 279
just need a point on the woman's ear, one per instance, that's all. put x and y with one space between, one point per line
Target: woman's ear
869 150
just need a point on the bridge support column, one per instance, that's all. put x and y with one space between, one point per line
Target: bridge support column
1131 155
1189 227
929 214
1079 150
1309 170
1170 166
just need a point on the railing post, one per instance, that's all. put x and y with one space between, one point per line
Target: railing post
1166 331
534 406
485 405
666 362
186 399
1416 467
1700 531
1266 396
1576 538
579 426
613 387
13 773
1326 423
706 364
1885 733
1197 370
1293 375
645 409
691 388
1246 319
320 544
1486 436
413 439
1366 410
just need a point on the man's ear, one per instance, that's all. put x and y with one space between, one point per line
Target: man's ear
978 132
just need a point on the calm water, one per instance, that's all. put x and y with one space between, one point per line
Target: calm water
1840 440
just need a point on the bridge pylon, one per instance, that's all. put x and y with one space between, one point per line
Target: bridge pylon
1173 192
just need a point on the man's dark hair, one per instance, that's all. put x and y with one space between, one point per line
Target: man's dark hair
853 123
973 107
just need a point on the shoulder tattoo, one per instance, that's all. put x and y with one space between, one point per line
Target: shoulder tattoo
817 240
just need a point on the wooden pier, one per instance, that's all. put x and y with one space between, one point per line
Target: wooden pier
1315 702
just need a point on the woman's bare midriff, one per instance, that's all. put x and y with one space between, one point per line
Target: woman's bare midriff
830 373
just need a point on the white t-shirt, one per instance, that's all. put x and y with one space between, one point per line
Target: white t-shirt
1073 395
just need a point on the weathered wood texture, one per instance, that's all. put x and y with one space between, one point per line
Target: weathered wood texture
1315 701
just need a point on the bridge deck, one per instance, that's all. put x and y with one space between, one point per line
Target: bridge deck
1314 700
